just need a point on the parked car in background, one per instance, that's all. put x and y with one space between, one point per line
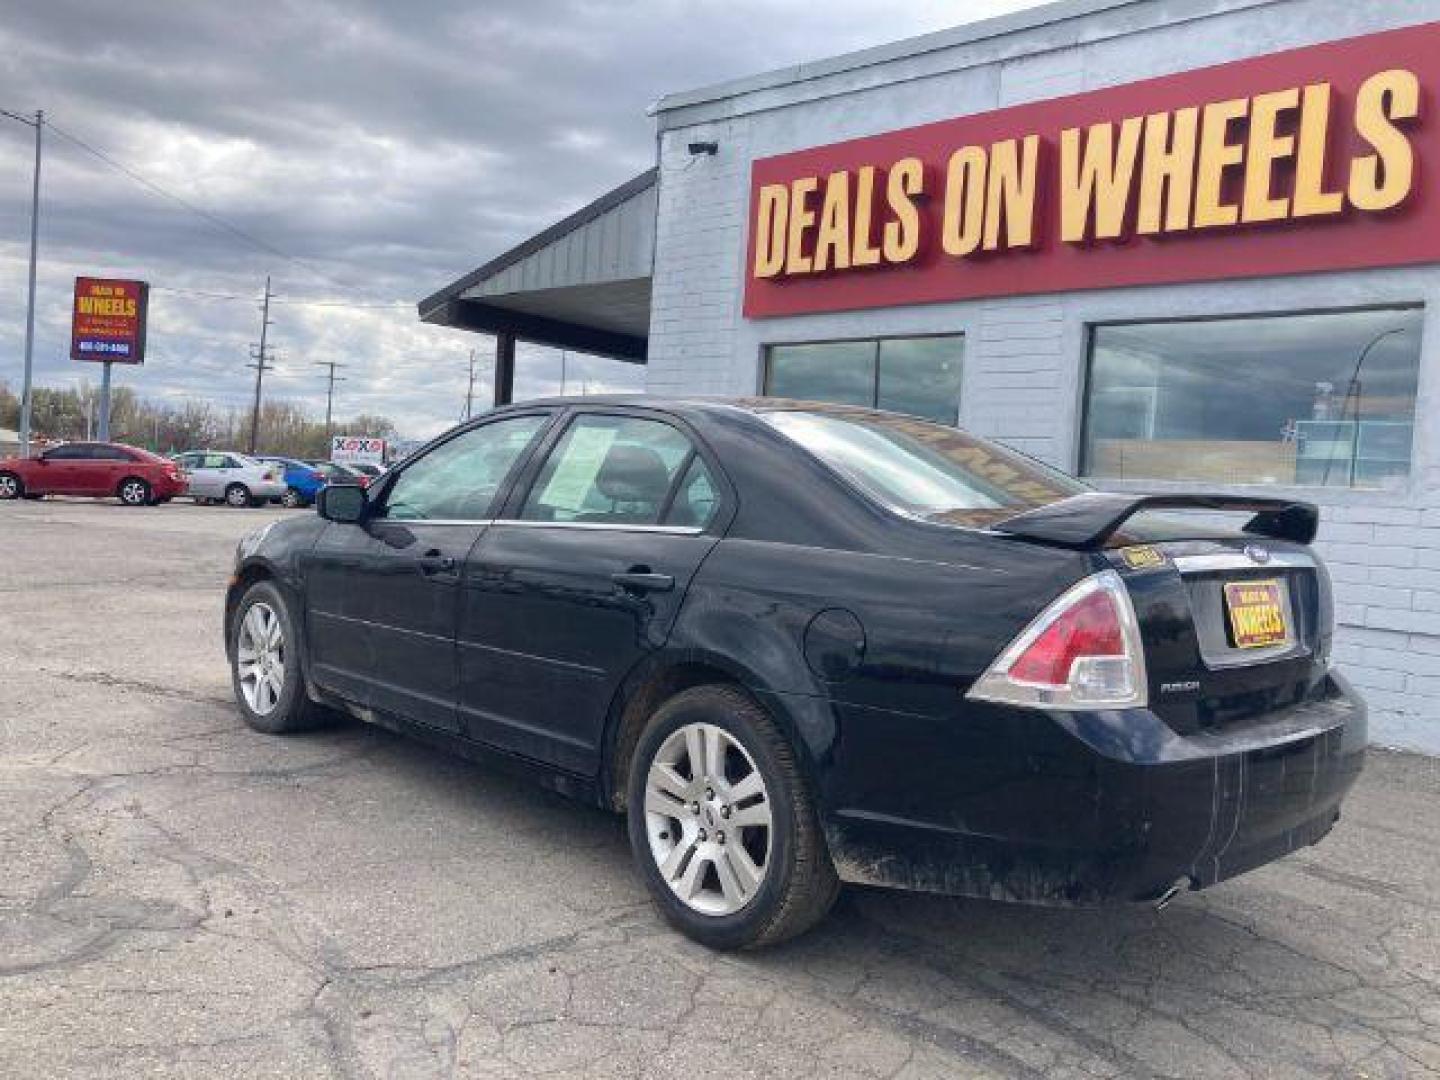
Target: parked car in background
372 471
237 480
799 644
335 473
302 480
101 470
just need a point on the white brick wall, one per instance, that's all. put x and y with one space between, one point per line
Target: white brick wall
696 291
1024 356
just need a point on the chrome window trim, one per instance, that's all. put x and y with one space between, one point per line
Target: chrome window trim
379 519
672 530
1204 564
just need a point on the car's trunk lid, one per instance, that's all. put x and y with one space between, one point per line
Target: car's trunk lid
1212 664
1236 622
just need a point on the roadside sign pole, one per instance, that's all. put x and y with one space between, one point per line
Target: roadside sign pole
105 401
25 386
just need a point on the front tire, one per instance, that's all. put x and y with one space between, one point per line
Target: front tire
11 486
133 491
238 495
264 650
722 823
292 499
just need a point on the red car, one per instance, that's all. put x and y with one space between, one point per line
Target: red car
136 477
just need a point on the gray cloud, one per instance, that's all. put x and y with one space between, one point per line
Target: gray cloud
389 147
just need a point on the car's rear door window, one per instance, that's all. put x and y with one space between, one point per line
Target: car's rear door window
609 470
460 479
696 499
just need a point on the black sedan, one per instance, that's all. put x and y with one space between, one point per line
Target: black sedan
801 644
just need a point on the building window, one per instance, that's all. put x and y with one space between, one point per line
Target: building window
919 376
1322 400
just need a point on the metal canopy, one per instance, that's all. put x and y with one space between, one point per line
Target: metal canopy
583 283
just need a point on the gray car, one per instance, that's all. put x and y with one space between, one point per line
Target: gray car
238 480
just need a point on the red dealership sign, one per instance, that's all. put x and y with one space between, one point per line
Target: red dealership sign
108 320
1296 162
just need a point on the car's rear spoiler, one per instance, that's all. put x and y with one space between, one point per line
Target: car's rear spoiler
1090 519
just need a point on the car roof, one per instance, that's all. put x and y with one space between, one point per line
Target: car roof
691 404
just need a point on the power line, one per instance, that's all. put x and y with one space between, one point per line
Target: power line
205 294
214 219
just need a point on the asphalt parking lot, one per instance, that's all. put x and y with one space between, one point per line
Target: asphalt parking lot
182 897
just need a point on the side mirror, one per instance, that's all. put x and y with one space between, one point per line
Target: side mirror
343 503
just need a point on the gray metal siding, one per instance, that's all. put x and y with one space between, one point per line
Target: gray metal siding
618 245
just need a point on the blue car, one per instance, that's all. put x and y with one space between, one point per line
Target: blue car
302 481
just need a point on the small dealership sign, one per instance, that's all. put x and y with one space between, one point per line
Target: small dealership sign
107 323
357 450
1301 161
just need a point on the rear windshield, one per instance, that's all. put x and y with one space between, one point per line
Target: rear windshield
925 470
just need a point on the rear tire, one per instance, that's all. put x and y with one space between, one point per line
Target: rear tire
764 873
238 495
11 486
292 499
263 645
133 491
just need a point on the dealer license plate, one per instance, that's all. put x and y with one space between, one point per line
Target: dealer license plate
1257 613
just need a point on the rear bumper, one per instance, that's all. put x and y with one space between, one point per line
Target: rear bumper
166 488
1084 808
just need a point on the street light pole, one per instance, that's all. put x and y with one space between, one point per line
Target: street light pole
38 123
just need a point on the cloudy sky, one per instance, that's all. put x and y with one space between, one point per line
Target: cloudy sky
373 152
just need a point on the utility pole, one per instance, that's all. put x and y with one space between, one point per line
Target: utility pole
330 392
26 393
261 365
470 389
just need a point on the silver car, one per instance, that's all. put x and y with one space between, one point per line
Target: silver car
238 480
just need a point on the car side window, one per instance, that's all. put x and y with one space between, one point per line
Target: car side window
608 470
213 461
459 479
696 499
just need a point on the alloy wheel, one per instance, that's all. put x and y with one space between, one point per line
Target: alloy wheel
9 487
707 816
291 499
237 496
133 493
260 658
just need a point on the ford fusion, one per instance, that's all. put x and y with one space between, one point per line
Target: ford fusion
800 644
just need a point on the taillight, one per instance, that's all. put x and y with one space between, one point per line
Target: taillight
1082 652
319 478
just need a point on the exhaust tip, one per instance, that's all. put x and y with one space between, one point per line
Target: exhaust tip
1164 899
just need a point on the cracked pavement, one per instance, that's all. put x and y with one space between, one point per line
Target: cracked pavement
183 897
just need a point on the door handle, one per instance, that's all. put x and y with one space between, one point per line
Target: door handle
436 562
643 581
